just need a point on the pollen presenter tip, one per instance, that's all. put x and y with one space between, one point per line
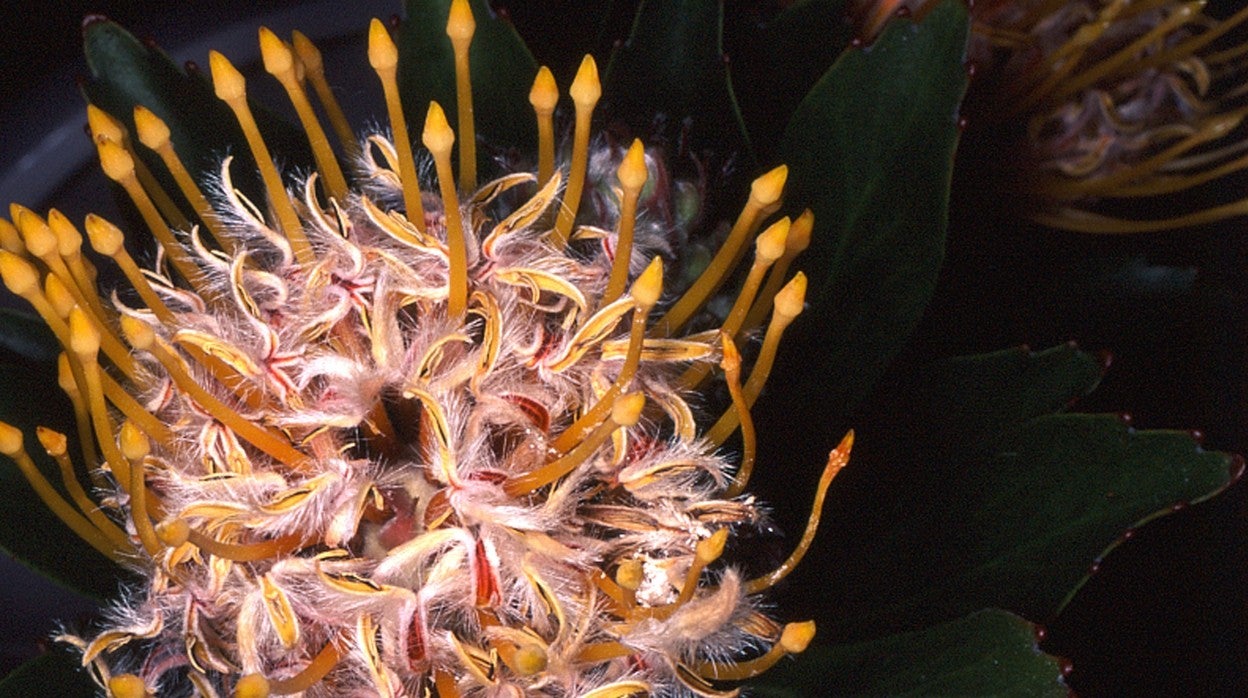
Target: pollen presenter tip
545 93
227 82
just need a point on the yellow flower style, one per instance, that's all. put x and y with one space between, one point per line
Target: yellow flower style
392 439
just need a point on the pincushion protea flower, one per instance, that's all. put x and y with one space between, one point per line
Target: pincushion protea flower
1105 107
382 441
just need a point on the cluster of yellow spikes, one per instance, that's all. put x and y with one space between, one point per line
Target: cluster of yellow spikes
42 262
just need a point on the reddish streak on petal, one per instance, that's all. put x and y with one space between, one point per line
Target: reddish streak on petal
486 577
534 410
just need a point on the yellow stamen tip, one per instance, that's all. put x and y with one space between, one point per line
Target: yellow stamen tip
309 54
277 56
19 276
799 233
586 89
771 242
138 334
153 131
709 549
84 338
227 82
791 299
134 443
173 532
16 211
39 238
116 162
126 686
649 285
54 442
797 636
103 126
106 238
382 53
846 445
545 93
766 190
10 240
11 440
461 24
68 239
252 686
633 172
627 408
437 136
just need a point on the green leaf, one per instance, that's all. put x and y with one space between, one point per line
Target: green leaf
502 74
53 674
987 653
870 151
1126 477
673 66
968 401
29 531
127 73
785 60
25 336
1014 526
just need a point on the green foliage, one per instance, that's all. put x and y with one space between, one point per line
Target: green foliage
978 501
985 653
968 401
870 151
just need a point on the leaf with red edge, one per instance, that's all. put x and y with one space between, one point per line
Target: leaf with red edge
986 653
966 499
870 152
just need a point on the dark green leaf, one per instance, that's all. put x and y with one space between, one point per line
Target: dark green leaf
53 674
785 59
29 397
127 73
870 151
988 653
673 66
502 74
26 336
1015 527
967 401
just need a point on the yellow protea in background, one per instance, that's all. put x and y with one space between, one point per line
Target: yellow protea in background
1104 116
415 437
